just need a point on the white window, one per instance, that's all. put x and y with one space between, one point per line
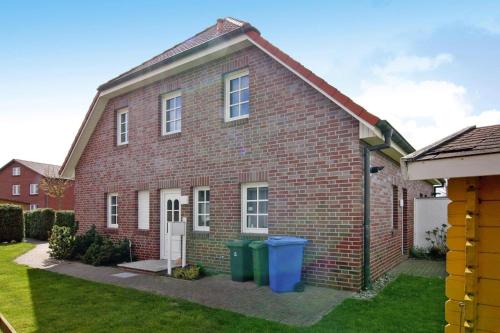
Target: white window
122 127
254 208
171 113
237 95
16 171
33 189
33 206
201 206
143 209
112 210
16 189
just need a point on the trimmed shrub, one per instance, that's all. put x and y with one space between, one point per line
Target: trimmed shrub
83 242
61 242
39 223
66 218
187 273
107 252
11 223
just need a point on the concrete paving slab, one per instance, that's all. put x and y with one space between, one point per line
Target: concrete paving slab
218 291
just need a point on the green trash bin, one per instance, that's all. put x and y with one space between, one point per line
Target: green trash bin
241 260
260 263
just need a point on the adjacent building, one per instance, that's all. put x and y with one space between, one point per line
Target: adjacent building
20 184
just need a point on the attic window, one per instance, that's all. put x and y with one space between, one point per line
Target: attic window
122 127
16 171
237 95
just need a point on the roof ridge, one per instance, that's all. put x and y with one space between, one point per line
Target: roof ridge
231 20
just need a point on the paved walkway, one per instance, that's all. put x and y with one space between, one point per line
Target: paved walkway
419 267
218 291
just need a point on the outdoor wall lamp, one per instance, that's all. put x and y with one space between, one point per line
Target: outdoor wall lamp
376 169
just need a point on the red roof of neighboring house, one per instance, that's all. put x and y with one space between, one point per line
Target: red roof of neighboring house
225 29
44 169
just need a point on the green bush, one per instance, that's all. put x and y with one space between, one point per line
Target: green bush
66 218
11 223
83 242
186 273
61 242
39 223
106 252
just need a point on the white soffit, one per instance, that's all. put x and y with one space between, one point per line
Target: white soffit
466 166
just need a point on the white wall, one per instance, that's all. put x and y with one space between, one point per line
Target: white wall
429 213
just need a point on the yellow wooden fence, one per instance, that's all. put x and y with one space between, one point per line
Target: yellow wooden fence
473 260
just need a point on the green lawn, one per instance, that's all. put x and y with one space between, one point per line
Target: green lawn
39 301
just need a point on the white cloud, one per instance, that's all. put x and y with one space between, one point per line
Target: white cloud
423 111
411 64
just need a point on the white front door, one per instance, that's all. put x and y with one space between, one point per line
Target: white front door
170 206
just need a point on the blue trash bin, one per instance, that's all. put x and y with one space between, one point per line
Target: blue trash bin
285 262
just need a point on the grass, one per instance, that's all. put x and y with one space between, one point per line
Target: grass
39 301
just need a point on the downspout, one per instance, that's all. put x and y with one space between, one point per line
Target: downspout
366 200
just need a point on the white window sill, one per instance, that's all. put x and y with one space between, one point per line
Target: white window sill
228 120
255 231
170 133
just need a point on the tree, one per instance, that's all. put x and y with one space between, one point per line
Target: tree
54 186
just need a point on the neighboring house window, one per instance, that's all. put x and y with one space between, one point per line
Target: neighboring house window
16 189
395 206
143 209
33 189
122 126
171 113
112 210
201 208
33 206
254 207
16 171
237 95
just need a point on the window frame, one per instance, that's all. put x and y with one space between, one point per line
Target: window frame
14 173
395 207
227 90
196 227
109 206
18 187
31 189
119 132
164 99
145 225
33 206
244 228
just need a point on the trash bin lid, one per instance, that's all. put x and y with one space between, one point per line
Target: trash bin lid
238 243
285 240
258 244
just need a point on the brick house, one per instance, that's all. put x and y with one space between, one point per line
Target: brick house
19 184
252 144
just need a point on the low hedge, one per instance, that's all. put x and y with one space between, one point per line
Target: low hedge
38 223
90 247
66 218
11 223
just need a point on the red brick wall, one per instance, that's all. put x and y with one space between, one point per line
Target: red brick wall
304 146
27 177
386 241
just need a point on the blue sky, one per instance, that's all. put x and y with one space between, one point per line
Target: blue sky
428 67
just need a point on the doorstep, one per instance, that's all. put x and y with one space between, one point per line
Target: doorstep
156 267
